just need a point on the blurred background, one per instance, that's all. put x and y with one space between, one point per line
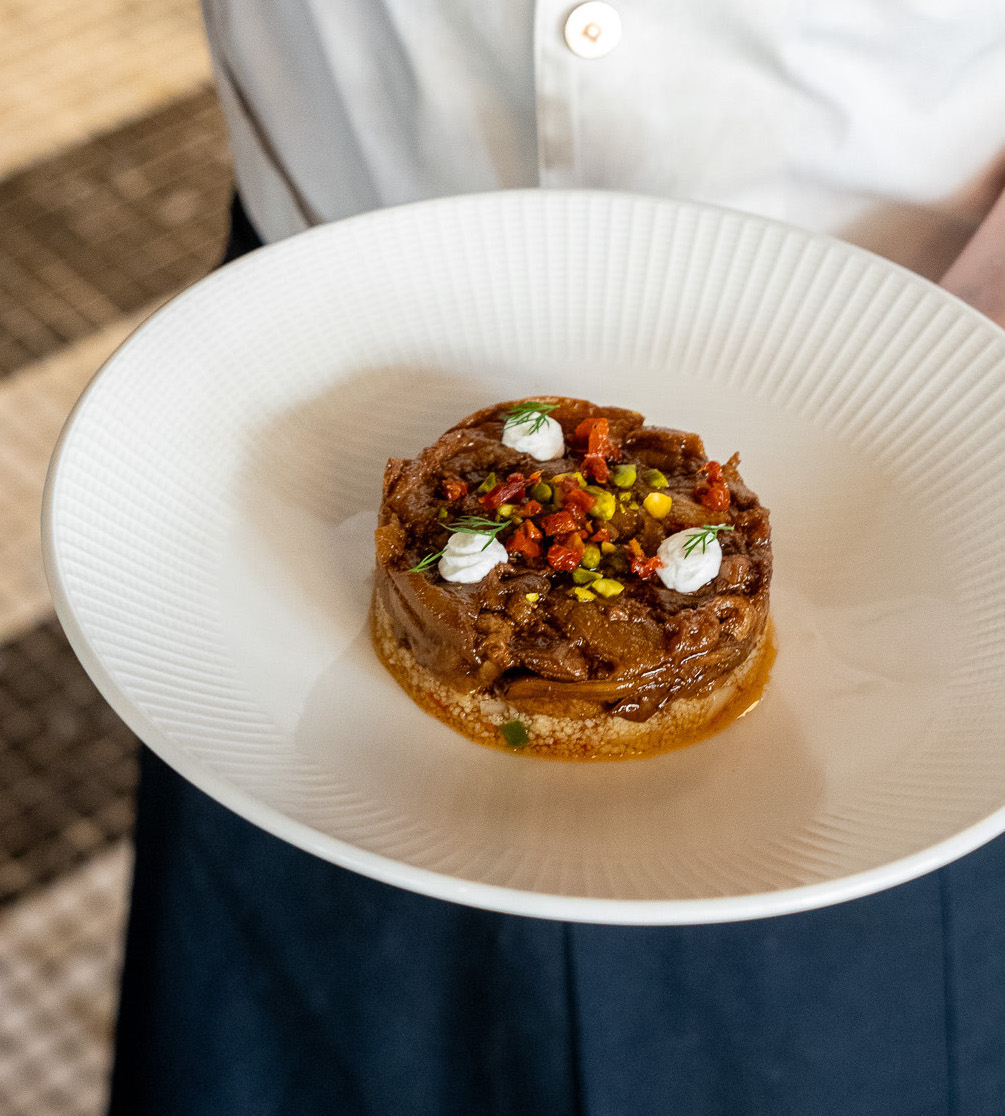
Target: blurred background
114 190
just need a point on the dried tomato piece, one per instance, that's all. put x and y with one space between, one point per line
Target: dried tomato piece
595 467
573 540
715 497
526 540
512 490
560 523
601 535
595 433
641 565
713 493
530 507
576 499
566 553
454 488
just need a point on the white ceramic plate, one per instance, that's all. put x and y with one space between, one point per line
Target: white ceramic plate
208 534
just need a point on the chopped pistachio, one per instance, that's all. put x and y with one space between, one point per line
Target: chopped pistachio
607 587
540 492
654 478
506 510
591 557
608 548
604 506
658 504
442 513
624 476
577 477
584 577
487 484
532 597
581 593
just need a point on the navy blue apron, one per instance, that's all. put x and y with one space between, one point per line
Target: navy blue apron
261 981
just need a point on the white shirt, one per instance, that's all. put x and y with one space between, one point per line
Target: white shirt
878 120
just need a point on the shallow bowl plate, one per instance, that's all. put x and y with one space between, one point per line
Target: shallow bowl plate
208 538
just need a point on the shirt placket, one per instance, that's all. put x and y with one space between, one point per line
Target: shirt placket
570 46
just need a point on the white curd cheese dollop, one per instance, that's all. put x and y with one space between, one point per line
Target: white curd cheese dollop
543 444
687 572
469 557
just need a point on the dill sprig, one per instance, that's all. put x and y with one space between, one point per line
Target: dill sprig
531 414
421 567
703 536
477 525
464 525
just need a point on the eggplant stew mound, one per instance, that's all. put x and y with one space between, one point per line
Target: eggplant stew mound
557 561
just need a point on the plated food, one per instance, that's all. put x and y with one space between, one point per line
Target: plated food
557 577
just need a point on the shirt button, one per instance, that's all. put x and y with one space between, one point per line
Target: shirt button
593 29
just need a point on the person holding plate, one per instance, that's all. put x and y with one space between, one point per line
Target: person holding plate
261 980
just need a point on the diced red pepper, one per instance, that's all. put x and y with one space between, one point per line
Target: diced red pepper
454 488
526 540
641 565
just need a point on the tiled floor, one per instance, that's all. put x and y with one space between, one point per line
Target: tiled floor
59 958
109 226
67 769
114 184
73 69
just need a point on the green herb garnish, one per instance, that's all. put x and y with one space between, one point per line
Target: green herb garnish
514 733
531 414
465 525
421 567
703 536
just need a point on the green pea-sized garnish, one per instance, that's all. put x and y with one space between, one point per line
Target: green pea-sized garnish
624 475
591 557
514 734
604 505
